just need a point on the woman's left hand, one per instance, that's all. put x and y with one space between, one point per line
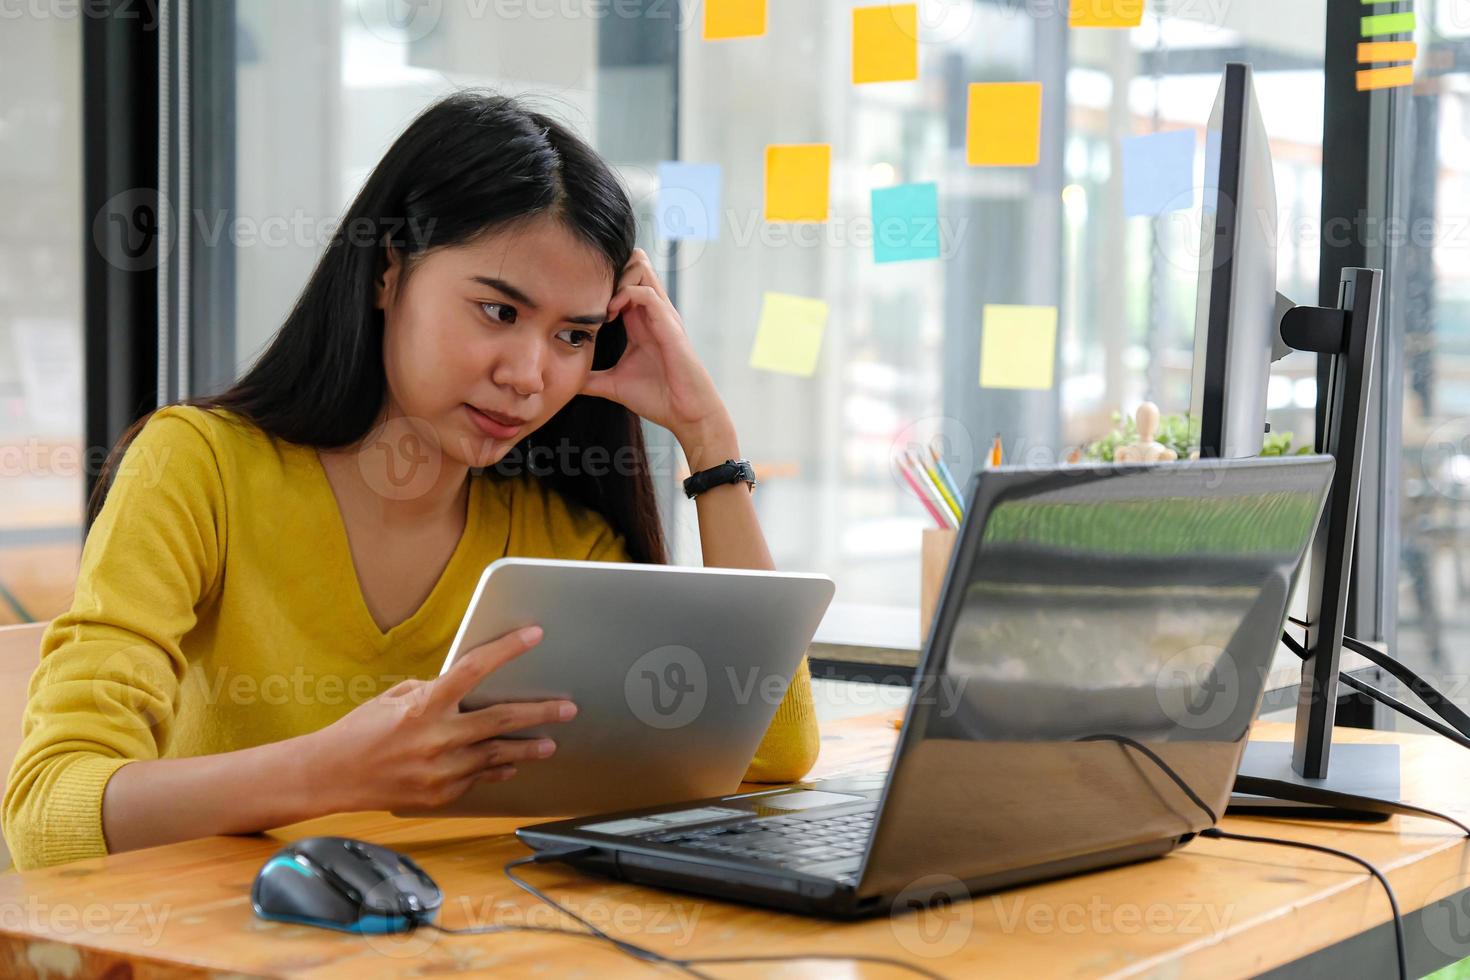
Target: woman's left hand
658 377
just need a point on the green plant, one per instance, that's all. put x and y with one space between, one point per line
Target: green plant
1178 433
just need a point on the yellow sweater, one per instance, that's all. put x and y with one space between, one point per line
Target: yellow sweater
217 608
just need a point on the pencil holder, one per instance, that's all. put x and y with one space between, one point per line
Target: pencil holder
934 554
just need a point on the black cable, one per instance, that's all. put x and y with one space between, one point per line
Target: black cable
1388 700
643 953
1163 766
633 950
1437 702
1393 902
1426 692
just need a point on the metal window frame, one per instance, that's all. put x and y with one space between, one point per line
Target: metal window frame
119 179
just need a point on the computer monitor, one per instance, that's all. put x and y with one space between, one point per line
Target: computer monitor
1235 308
1241 325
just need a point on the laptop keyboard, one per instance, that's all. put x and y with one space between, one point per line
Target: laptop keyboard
787 841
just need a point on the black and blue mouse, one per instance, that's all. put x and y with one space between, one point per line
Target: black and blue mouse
345 884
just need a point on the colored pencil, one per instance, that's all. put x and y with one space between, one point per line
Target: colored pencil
921 494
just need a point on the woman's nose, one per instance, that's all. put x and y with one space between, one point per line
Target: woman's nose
519 364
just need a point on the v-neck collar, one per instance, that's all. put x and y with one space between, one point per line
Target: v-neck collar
425 613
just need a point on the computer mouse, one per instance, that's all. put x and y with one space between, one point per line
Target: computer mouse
345 884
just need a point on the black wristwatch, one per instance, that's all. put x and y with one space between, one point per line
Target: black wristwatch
730 471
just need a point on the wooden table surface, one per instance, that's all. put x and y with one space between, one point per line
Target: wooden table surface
1213 908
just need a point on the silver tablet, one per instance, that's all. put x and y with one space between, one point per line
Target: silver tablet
676 673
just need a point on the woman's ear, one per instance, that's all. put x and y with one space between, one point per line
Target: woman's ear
387 284
612 340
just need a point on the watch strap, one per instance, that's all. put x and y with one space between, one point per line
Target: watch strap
730 471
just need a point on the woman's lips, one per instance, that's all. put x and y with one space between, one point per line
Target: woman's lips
491 426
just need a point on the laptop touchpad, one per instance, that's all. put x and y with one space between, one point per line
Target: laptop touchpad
805 799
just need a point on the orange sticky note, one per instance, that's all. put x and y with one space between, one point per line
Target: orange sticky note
1106 13
797 177
1003 124
734 18
1370 79
1018 347
885 43
789 337
1371 51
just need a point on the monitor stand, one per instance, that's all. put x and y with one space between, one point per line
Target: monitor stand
1346 337
1358 768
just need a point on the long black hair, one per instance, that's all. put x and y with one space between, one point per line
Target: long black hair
469 164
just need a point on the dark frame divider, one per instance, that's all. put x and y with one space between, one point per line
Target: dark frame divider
1358 160
214 283
121 240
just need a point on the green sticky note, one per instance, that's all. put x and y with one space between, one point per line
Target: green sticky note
789 337
1018 347
1376 25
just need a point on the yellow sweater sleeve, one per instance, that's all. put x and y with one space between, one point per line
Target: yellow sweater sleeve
105 692
789 748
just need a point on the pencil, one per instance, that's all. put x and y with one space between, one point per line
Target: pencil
923 497
938 481
949 481
920 474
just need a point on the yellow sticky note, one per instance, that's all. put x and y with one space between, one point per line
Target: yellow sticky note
789 337
797 176
1003 124
885 43
1018 346
734 18
1106 13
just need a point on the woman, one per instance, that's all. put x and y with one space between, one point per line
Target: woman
277 569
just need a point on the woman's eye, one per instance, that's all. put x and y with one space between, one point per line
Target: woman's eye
499 312
576 338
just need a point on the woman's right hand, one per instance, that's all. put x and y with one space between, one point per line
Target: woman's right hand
412 747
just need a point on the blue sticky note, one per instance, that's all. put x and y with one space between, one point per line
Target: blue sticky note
906 222
1158 173
688 201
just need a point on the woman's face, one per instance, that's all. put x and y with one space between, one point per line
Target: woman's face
504 325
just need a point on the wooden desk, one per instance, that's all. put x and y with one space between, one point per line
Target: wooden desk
1213 908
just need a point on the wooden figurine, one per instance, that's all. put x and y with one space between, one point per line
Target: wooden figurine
1146 449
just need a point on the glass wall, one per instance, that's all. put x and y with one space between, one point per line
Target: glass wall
41 459
322 88
1430 306
900 359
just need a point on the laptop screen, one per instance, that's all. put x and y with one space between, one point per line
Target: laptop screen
1084 609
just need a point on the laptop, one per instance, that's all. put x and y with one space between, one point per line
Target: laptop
1101 643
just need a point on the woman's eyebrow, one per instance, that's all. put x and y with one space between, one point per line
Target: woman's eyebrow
591 319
